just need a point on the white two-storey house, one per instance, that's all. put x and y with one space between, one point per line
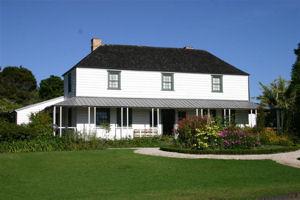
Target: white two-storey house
120 91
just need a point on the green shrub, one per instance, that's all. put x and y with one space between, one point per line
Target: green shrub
139 142
72 142
41 123
187 130
231 151
13 132
207 136
269 136
50 143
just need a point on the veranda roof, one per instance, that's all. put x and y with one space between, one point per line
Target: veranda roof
155 103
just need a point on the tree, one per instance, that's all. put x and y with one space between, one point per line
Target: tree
18 85
294 92
7 106
274 97
51 87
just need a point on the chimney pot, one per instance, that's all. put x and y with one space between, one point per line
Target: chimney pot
95 43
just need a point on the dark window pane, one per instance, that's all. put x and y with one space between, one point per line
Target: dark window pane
213 113
70 117
69 82
102 116
124 117
181 115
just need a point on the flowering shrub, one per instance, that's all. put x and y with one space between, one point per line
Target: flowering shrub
198 132
234 137
269 136
187 130
207 136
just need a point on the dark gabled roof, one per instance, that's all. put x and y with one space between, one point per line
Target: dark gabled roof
126 57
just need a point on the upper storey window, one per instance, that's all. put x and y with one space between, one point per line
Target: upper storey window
217 83
114 80
167 81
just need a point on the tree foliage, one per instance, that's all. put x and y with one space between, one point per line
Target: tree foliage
294 91
284 98
18 85
274 98
7 106
51 87
274 95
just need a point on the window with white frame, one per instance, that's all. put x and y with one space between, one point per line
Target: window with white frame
217 83
167 81
114 80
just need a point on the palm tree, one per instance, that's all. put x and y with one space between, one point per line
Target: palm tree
274 97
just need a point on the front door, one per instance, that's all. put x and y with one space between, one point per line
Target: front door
168 121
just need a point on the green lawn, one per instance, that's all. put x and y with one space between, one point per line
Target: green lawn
121 174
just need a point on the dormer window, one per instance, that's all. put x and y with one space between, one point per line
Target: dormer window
217 83
167 81
114 80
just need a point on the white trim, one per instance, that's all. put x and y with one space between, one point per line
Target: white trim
54 118
39 103
60 121
95 116
89 118
158 122
127 119
121 122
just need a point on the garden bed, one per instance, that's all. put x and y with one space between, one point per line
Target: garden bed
261 150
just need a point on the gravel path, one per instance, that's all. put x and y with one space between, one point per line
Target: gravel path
289 158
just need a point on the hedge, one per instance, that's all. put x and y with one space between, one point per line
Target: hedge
71 143
233 151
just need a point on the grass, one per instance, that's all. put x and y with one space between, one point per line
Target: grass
121 174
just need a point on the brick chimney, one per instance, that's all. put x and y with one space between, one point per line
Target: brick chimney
95 43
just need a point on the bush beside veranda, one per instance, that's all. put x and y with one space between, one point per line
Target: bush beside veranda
204 133
40 125
237 138
269 136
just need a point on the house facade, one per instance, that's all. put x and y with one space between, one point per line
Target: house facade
123 91
120 91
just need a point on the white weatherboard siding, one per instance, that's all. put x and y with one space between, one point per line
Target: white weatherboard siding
145 84
23 114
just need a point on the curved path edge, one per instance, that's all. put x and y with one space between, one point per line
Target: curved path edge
287 158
